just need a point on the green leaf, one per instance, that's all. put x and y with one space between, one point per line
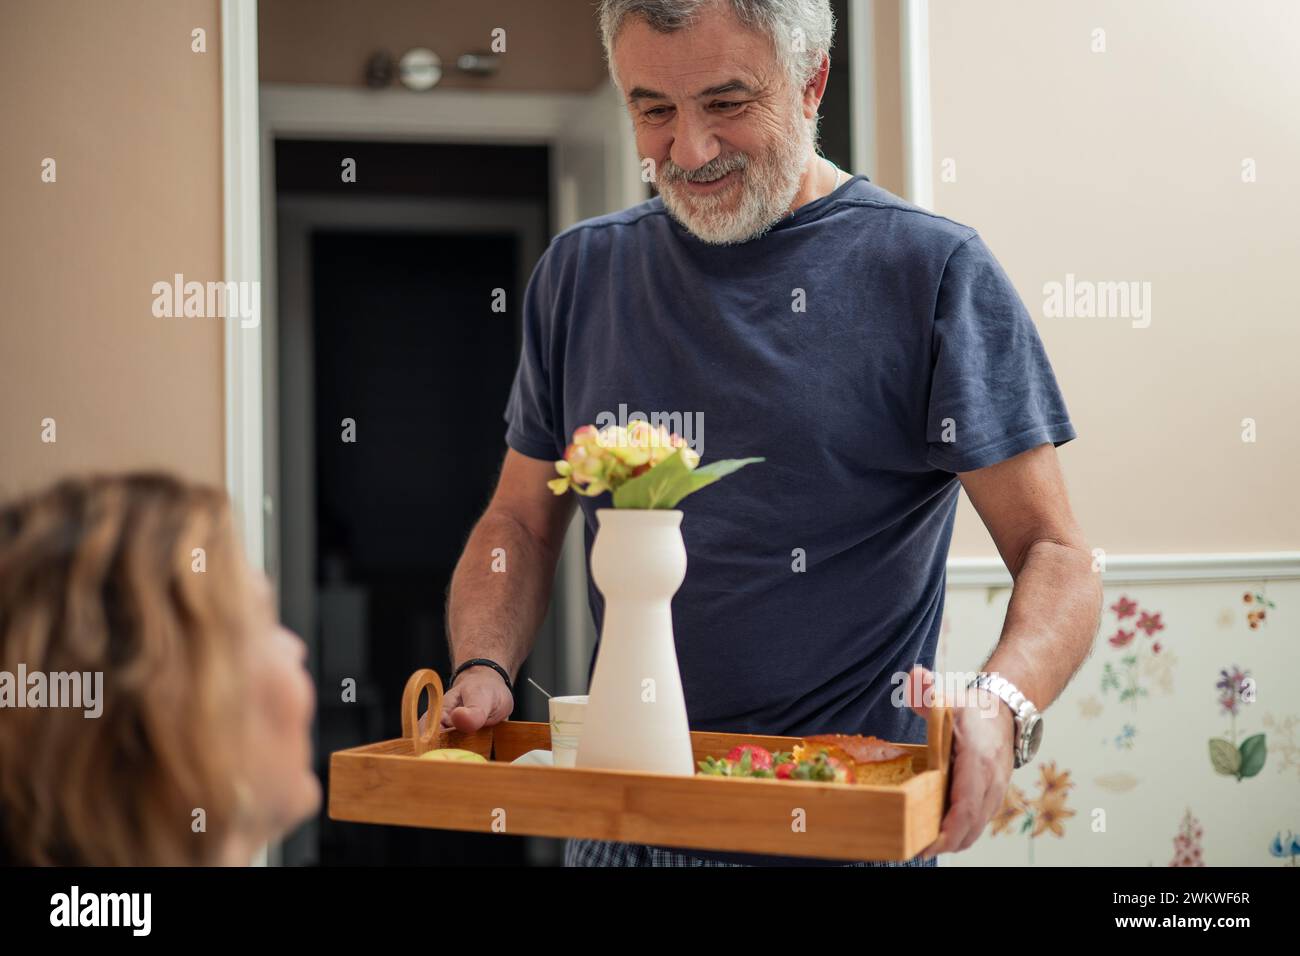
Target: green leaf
1253 754
1108 680
1225 757
720 469
668 482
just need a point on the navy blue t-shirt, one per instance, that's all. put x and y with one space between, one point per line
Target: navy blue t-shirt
869 350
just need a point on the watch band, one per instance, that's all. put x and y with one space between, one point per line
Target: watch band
1028 720
484 662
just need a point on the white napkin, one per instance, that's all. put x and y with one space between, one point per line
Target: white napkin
536 758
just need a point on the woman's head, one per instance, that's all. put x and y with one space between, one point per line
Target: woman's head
201 748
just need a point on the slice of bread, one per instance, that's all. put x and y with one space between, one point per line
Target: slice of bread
872 760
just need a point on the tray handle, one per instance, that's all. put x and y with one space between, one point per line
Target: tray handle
425 677
938 738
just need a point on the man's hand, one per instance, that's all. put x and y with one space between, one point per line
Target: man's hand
478 699
983 734
494 614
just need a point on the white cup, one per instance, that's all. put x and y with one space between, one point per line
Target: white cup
567 715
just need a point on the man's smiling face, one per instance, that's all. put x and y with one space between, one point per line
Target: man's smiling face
715 110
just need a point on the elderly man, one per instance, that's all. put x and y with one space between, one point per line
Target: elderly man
873 352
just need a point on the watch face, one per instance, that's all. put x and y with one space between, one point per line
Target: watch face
1034 737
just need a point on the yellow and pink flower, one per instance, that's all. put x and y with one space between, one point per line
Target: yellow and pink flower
600 461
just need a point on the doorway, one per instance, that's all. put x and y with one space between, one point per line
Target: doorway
397 337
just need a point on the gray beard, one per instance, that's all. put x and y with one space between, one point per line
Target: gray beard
768 186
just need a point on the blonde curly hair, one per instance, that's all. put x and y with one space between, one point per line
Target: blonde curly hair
101 574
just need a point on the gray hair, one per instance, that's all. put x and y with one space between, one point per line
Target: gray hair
801 31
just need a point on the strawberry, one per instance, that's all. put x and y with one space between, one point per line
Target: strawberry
759 759
785 770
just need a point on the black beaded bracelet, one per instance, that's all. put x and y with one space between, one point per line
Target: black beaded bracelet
485 663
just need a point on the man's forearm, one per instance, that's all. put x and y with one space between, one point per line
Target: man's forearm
1051 621
498 599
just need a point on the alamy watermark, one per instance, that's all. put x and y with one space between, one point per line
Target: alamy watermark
689 426
83 690
1084 299
133 911
210 300
948 689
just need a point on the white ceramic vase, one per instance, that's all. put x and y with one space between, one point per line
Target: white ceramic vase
636 714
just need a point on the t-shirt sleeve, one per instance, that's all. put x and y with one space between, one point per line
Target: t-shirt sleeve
993 394
530 413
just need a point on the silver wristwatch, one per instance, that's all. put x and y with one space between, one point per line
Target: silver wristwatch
1029 722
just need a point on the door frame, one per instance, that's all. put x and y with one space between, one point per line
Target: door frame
242 238
914 46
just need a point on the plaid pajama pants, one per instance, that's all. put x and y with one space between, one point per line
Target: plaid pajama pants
608 853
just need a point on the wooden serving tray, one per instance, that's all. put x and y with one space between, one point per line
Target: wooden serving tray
386 783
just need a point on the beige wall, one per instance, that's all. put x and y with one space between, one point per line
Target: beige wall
133 120
550 44
887 73
1126 165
